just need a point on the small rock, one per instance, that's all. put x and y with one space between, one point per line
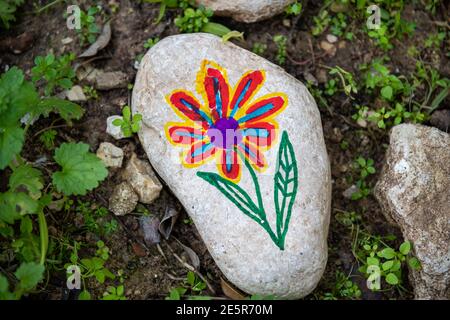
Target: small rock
111 155
112 130
141 177
322 75
110 80
246 248
244 10
138 250
329 48
123 199
76 94
66 41
331 38
347 194
310 78
337 135
414 192
149 226
441 119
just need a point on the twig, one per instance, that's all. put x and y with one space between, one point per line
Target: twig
191 268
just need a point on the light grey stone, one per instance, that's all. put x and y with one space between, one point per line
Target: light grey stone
123 199
242 249
112 130
76 94
246 11
141 177
111 155
414 192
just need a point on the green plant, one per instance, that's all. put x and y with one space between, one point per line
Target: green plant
364 168
259 48
330 87
435 40
55 72
81 170
28 275
321 22
24 201
114 293
343 288
294 9
128 124
8 9
151 42
381 262
192 285
280 41
346 78
93 267
193 20
89 29
339 26
90 92
48 138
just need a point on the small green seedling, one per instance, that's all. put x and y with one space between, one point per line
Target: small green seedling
294 9
280 41
55 73
365 166
89 30
128 124
48 138
259 48
151 42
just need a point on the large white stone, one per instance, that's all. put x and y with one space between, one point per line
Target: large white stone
245 10
414 192
242 249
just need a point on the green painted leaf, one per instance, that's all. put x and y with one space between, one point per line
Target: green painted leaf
81 170
285 185
233 192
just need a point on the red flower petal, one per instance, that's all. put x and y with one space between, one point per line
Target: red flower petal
229 165
184 134
217 91
266 107
253 154
246 88
189 108
260 133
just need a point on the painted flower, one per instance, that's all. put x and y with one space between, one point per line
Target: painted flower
229 125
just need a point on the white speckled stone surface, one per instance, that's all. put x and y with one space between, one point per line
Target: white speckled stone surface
241 248
414 192
246 10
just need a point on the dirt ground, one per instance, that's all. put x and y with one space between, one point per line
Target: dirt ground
150 272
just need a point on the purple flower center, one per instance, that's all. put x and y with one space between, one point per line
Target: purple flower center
225 133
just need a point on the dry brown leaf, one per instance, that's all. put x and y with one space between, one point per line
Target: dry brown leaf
102 42
230 291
